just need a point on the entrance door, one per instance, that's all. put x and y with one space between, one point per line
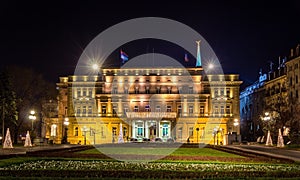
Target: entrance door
165 130
152 130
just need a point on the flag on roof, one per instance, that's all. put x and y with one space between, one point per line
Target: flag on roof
123 56
186 59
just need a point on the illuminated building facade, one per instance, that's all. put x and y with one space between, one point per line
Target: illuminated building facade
147 104
151 104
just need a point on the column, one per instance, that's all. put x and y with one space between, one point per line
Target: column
99 106
146 129
109 108
206 106
184 108
157 128
196 105
133 129
120 107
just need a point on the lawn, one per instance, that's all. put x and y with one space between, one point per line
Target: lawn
159 151
203 163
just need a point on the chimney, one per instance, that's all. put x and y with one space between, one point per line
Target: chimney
297 50
292 53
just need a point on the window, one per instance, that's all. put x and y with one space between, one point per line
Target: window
124 131
115 109
103 109
191 90
157 90
84 110
216 92
179 110
191 109
147 108
297 94
179 90
136 90
90 92
296 79
157 108
180 133
115 90
90 110
191 132
76 131
78 92
126 90
78 111
53 130
202 110
291 81
66 111
228 110
84 92
169 90
114 131
222 92
227 92
216 109
125 110
222 110
147 90
169 108
136 108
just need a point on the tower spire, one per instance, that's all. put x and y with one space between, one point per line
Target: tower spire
198 62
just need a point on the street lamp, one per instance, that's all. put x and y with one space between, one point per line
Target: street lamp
32 117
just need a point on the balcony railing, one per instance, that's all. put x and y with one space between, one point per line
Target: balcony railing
151 114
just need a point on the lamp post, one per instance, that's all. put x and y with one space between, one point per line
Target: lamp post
235 124
32 117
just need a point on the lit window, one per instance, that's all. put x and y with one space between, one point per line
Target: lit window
216 109
136 108
191 132
191 109
147 108
78 92
222 109
201 109
76 131
90 110
169 108
157 109
53 130
191 90
84 92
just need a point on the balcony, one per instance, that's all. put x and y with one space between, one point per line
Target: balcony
151 114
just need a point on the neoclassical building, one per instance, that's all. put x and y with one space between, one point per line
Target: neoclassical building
147 104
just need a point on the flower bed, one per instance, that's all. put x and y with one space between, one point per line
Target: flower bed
86 168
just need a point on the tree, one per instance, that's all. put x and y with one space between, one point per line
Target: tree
294 133
31 89
8 102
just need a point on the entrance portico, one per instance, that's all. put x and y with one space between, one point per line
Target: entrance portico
151 129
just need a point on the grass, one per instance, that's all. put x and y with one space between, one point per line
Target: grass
160 151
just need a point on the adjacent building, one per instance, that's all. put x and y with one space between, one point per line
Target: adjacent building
277 91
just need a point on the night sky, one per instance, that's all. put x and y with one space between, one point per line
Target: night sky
50 37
